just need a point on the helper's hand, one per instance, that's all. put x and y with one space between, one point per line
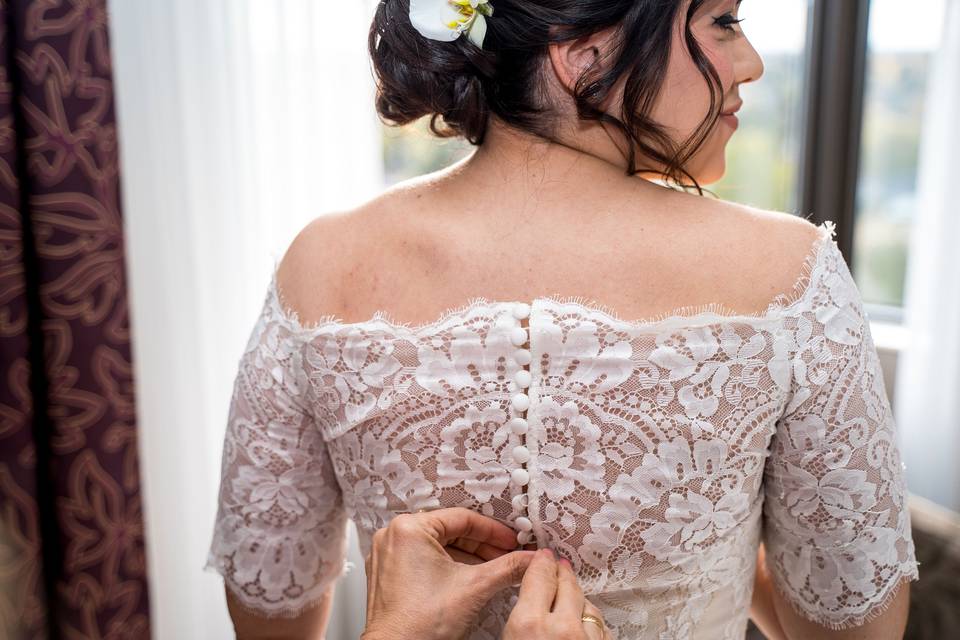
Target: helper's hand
429 574
551 603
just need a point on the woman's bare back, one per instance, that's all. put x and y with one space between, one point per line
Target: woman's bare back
417 251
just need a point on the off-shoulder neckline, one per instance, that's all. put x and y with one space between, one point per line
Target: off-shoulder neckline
710 313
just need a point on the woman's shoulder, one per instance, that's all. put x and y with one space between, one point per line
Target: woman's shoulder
759 254
306 276
765 253
778 248
333 254
775 234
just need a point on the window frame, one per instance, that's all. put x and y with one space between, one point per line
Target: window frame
833 114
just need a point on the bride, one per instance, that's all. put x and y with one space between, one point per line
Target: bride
678 395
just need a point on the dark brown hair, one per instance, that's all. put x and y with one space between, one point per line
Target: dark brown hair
463 84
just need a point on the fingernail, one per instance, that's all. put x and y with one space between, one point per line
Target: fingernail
547 552
566 562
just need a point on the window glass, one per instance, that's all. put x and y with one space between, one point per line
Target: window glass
902 39
413 150
763 156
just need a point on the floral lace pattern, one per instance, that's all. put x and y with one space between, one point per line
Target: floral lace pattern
662 452
280 518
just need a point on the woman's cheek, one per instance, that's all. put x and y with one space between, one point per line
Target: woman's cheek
719 56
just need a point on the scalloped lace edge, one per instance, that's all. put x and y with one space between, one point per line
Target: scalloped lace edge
907 572
311 599
711 310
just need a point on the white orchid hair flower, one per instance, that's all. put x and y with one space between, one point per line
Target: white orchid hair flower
445 20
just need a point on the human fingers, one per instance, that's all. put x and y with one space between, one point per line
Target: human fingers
487 578
482 550
414 584
462 556
451 523
568 602
539 585
372 564
368 563
593 631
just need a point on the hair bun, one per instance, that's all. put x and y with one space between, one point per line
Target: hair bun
418 76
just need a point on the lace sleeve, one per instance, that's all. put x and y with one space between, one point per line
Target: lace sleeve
280 533
836 527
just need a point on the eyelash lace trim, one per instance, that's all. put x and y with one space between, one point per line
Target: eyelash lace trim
712 310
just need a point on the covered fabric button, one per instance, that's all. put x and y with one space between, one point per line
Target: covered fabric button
520 476
521 454
520 501
520 401
519 425
523 523
522 357
521 310
505 322
523 537
518 336
522 378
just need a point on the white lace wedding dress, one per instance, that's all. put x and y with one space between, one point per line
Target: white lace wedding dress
655 455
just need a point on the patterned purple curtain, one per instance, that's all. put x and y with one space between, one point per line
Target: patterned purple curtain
72 561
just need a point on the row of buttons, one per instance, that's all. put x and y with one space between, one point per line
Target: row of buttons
520 402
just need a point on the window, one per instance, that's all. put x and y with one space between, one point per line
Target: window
763 156
901 41
412 150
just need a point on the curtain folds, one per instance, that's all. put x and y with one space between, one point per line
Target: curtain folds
928 374
241 121
72 561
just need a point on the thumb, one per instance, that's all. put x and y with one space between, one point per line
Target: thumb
507 570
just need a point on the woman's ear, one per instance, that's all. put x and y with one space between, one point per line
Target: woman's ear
570 59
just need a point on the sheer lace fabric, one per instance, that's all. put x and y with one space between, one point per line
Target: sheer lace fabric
661 452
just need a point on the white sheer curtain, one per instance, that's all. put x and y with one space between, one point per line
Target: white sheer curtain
239 122
928 375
